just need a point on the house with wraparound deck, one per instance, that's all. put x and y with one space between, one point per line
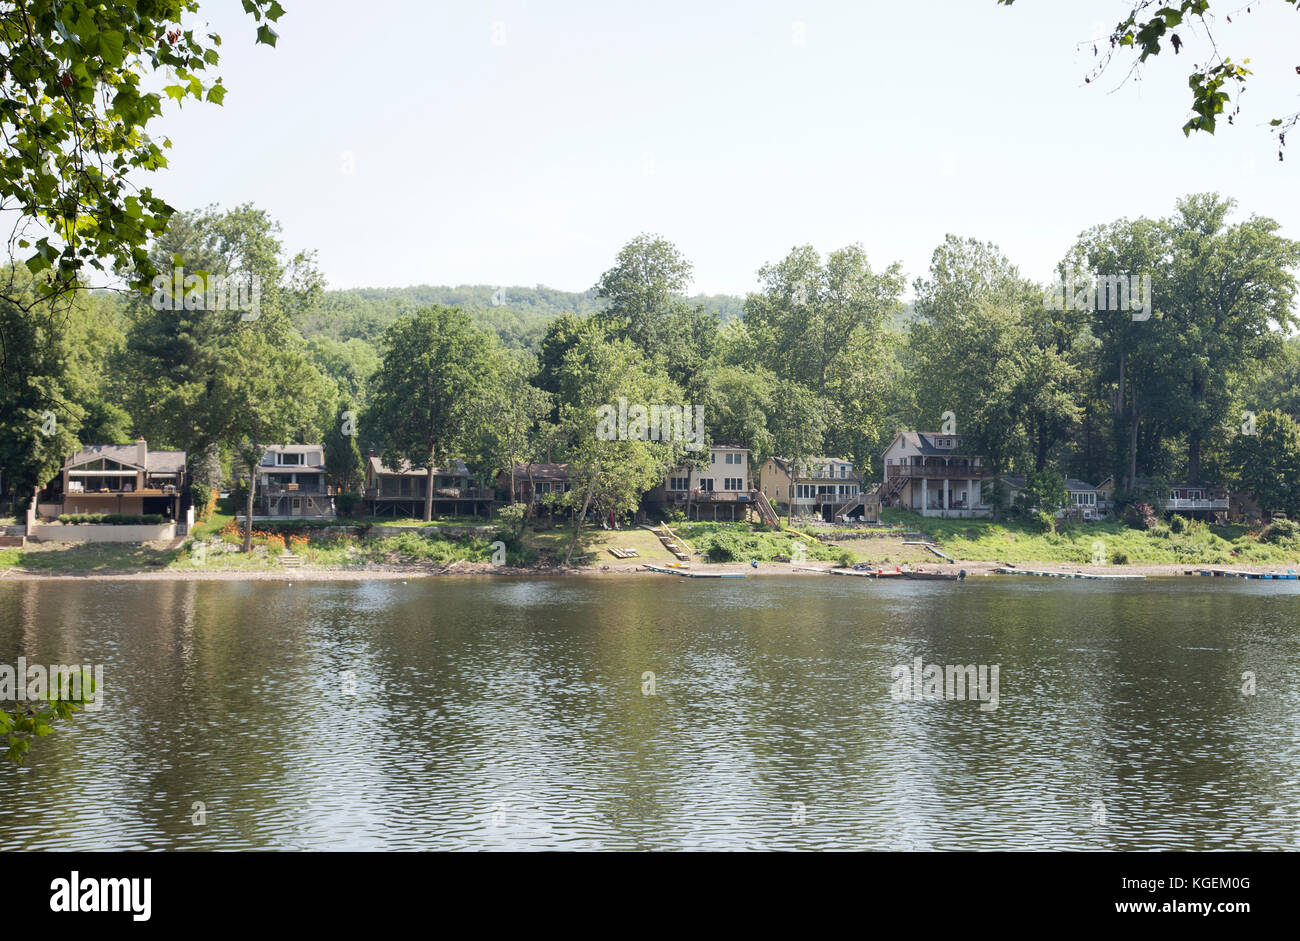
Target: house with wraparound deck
935 474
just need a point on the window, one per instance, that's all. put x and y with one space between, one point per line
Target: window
293 459
804 491
1085 499
844 471
679 483
733 483
543 486
706 484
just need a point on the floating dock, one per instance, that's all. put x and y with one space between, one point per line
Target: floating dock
1232 573
665 571
1088 575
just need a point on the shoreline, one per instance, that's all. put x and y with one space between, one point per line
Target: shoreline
613 568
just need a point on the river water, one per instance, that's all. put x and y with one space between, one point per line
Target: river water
650 712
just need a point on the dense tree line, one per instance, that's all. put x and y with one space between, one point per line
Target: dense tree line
826 358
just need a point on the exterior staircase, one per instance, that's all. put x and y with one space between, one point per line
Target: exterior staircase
290 560
765 511
672 543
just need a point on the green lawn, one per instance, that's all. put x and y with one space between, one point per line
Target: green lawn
1081 543
89 557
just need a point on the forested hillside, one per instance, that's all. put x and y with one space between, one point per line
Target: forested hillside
518 315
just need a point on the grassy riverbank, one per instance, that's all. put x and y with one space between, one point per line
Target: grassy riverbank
1082 543
978 545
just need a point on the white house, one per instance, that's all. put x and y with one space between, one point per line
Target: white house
932 474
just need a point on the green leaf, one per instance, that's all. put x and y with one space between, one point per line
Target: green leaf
265 34
110 47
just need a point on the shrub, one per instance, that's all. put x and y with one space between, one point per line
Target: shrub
202 497
344 503
112 519
1280 531
1141 515
1119 557
847 559
1178 523
1043 521
511 517
514 544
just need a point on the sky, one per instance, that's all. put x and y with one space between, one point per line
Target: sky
517 143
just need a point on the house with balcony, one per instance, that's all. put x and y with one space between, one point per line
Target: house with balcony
1195 500
526 483
721 489
1192 500
291 482
828 488
935 475
121 478
399 490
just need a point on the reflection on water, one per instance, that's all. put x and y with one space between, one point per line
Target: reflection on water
475 713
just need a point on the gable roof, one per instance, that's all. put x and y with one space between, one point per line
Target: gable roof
304 449
404 469
156 462
923 441
541 471
1072 484
814 463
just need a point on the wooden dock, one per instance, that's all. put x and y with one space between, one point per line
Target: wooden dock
666 571
1290 576
1088 575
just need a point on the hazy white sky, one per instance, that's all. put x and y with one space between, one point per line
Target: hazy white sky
523 143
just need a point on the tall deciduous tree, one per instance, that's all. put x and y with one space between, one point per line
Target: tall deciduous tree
436 368
798 427
1228 302
181 342
1267 463
610 471
512 410
263 393
343 461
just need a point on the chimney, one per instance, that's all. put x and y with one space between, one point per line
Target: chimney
142 453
